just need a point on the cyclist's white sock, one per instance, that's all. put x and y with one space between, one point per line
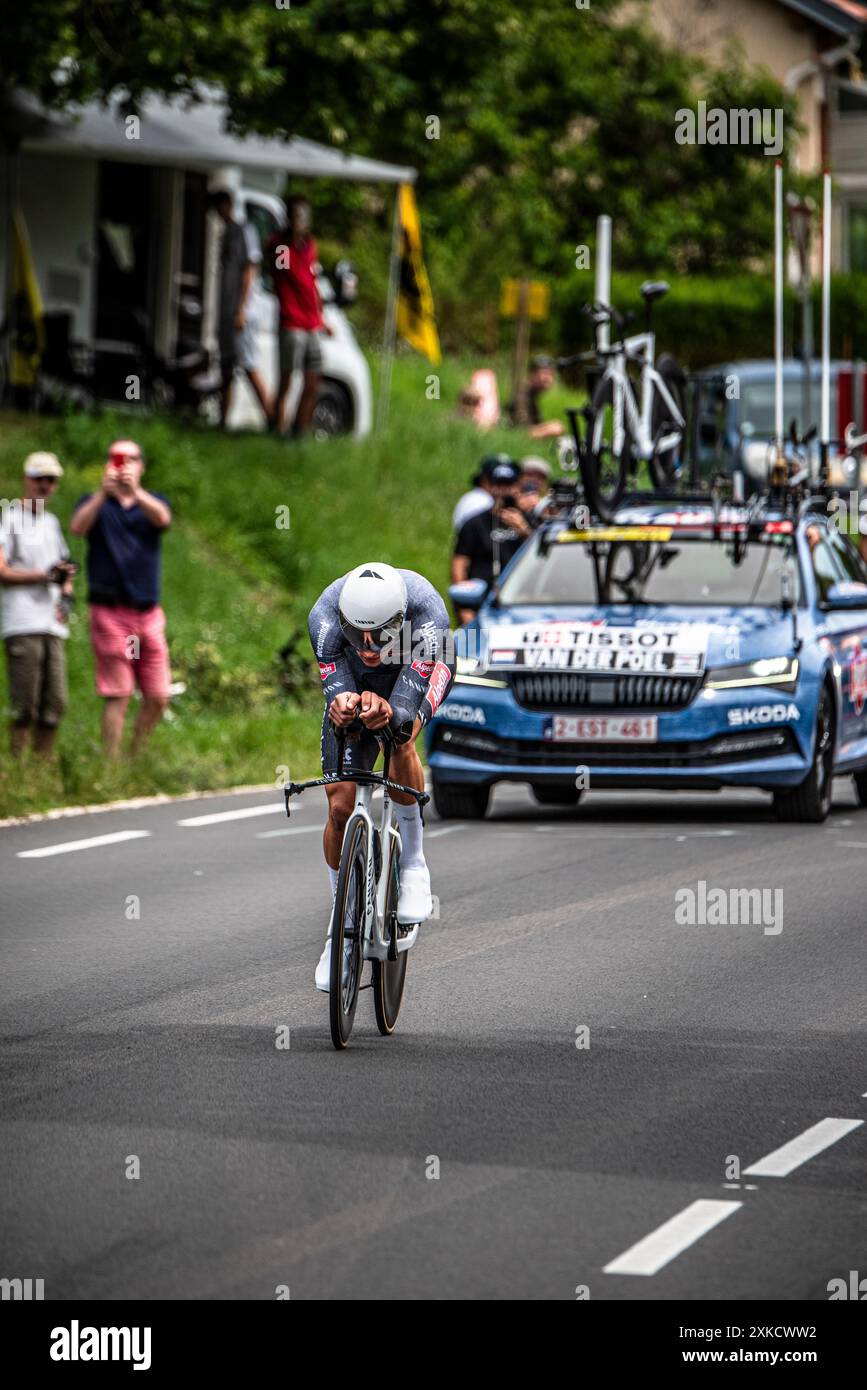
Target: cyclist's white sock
409 824
332 878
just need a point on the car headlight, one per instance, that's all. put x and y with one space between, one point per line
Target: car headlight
781 671
469 670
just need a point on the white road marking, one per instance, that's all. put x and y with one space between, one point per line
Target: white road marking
294 830
672 1238
814 1140
852 844
446 830
245 813
94 841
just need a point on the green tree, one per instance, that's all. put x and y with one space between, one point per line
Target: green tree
548 115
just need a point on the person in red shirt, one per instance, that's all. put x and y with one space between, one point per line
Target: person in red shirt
293 263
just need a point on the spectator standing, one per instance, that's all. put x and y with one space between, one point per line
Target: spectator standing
124 526
36 578
540 380
293 263
481 495
487 542
240 260
535 474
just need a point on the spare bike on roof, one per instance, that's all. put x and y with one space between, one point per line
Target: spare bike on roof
637 411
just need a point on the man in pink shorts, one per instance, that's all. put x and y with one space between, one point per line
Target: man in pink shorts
124 525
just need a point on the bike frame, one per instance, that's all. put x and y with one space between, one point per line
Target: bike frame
375 945
641 347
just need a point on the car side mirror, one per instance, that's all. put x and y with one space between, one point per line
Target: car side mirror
468 593
345 283
843 596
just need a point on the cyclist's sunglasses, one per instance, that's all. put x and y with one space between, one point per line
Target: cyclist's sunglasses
371 639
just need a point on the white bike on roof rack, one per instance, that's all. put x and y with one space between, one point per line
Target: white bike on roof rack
625 429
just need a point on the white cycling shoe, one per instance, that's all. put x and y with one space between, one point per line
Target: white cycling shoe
414 902
322 978
323 969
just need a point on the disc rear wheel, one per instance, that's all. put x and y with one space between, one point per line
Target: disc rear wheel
389 976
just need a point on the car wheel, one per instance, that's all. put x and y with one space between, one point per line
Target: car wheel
332 413
861 787
811 801
553 795
460 801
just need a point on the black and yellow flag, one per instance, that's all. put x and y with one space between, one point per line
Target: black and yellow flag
415 311
25 313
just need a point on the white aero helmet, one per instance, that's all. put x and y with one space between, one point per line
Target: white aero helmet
372 605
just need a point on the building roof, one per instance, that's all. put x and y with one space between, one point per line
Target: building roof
191 135
843 17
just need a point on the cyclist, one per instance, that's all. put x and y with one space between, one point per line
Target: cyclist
380 635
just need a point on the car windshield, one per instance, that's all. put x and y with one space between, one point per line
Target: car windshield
681 570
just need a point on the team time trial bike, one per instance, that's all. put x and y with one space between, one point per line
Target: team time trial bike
364 923
625 428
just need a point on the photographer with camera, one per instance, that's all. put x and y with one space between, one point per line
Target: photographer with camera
36 576
488 540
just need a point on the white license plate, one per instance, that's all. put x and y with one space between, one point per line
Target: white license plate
570 728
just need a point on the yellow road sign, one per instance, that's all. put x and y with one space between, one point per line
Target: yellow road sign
537 298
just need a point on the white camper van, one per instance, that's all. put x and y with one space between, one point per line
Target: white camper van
344 404
125 253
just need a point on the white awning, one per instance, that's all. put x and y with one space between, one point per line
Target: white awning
193 135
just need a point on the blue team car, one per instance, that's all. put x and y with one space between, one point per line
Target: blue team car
680 647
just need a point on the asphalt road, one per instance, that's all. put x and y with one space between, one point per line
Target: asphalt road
260 1167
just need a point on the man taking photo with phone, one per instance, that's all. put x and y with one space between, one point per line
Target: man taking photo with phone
124 525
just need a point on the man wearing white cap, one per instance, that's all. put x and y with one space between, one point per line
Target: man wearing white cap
36 585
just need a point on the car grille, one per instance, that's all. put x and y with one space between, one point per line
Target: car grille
559 690
693 753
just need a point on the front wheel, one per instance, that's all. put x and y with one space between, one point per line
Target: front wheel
332 413
389 976
811 801
610 458
347 932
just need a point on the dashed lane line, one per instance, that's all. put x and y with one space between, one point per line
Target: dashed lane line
293 830
92 842
243 813
670 1239
803 1147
